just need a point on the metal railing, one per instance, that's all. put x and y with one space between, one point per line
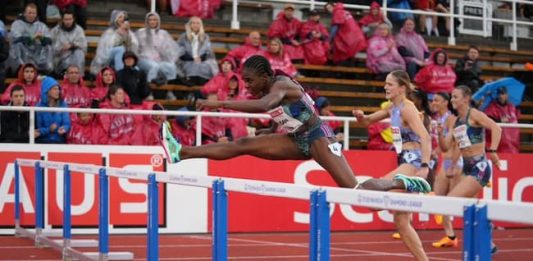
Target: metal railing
451 39
199 116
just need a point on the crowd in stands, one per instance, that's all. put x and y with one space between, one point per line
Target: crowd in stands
129 66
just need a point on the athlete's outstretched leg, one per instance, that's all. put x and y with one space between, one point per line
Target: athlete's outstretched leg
272 146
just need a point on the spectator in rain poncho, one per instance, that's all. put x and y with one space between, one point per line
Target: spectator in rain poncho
382 55
30 41
69 44
158 52
114 42
197 60
27 78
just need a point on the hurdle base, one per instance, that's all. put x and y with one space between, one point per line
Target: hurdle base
110 255
79 242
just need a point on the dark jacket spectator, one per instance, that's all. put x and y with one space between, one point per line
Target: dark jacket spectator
132 79
286 27
14 125
314 37
52 126
468 70
27 78
501 110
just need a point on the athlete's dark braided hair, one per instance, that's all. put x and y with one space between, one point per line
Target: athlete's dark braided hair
259 64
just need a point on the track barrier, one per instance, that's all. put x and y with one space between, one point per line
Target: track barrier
477 214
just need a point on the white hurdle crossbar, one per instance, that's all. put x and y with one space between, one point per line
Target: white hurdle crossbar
476 213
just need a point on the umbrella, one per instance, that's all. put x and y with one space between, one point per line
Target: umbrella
489 91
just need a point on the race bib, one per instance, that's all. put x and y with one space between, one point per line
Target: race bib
335 148
409 157
397 139
461 136
284 120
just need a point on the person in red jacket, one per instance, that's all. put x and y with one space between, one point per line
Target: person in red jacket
147 133
183 128
346 37
83 129
501 110
215 129
437 76
372 20
104 79
234 89
287 28
118 128
278 58
27 78
227 65
314 37
252 45
75 93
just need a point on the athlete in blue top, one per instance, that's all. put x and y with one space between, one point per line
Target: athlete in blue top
291 109
411 141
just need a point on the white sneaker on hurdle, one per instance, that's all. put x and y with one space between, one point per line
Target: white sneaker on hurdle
170 145
413 183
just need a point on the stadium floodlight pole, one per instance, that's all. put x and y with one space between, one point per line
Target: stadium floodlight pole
235 25
199 130
451 38
384 8
152 6
514 44
312 5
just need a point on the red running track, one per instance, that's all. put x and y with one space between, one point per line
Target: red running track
513 244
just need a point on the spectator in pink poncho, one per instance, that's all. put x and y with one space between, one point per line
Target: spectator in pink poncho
27 78
75 93
148 132
437 76
287 28
104 79
252 46
234 89
314 37
183 128
227 65
278 58
372 20
346 37
117 128
501 110
84 129
412 47
382 54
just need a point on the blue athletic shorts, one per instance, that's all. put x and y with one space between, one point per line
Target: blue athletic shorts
479 168
306 138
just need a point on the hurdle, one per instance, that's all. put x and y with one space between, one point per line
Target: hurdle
476 213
